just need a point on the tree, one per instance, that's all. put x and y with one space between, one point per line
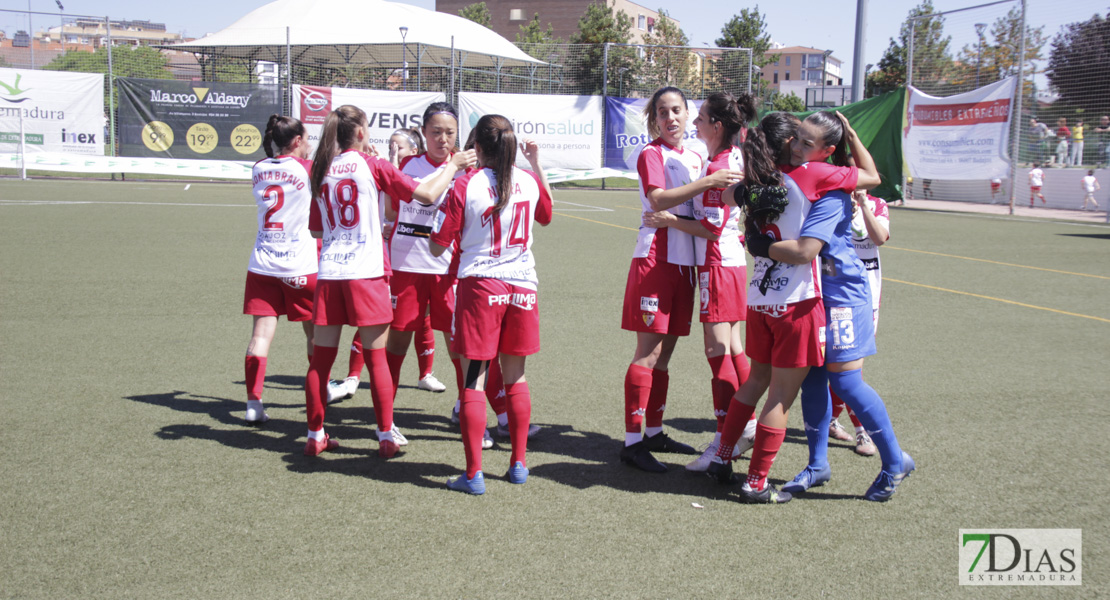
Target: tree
999 56
600 25
730 71
127 61
535 40
791 103
667 66
1077 64
932 61
476 12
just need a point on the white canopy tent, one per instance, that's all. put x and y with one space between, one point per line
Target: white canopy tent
339 33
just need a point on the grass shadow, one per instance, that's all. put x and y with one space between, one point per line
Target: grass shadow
1093 236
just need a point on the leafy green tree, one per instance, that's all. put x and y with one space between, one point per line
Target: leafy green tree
791 103
1077 64
127 61
667 66
999 56
597 26
730 72
932 61
476 12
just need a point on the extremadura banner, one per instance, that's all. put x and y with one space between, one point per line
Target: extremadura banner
191 119
58 112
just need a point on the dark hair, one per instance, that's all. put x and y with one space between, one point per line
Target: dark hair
280 133
833 135
764 147
732 113
436 108
494 136
649 110
339 133
413 136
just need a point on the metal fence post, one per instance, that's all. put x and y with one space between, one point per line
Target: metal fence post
289 70
604 97
111 86
451 95
1015 144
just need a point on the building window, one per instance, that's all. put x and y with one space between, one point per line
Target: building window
516 14
651 24
776 62
787 76
641 23
788 61
776 77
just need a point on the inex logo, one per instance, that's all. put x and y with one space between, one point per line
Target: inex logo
315 104
13 90
1021 557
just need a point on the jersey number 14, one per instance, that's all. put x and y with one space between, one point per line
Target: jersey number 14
518 229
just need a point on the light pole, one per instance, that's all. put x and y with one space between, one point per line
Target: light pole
61 25
979 29
31 30
404 59
620 86
824 73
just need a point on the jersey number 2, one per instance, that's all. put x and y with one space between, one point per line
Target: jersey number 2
277 195
518 229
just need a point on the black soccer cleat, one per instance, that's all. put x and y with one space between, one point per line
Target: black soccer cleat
769 495
662 442
640 457
720 471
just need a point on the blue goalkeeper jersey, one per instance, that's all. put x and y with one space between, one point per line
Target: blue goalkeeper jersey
843 277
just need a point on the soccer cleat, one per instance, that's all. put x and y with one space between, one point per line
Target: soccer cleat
518 473
640 457
387 448
720 471
808 478
487 441
342 390
864 445
744 444
455 415
398 437
315 447
431 384
662 442
769 495
256 414
886 483
503 431
475 486
701 463
837 431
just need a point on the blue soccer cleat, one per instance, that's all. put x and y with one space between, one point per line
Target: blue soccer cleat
518 473
808 478
475 486
885 484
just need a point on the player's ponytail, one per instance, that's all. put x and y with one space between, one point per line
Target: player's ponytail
280 134
765 148
732 113
339 133
495 138
833 135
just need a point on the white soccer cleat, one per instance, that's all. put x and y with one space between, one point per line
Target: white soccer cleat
487 441
396 435
256 414
701 463
429 383
743 445
342 390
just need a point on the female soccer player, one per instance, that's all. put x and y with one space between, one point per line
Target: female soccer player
659 294
490 213
722 268
352 287
850 333
281 276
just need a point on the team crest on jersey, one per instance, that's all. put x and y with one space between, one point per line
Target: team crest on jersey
649 318
649 305
713 197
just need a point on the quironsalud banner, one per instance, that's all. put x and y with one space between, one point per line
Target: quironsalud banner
959 137
165 118
58 112
626 131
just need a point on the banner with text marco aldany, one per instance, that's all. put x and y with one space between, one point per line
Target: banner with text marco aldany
959 137
192 119
386 111
566 128
60 112
626 131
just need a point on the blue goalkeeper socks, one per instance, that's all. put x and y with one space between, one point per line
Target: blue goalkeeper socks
816 414
871 412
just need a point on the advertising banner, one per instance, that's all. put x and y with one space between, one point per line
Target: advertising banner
60 112
386 111
566 128
165 118
626 131
959 137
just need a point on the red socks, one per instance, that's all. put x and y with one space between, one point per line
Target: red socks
637 388
381 388
495 388
838 407
723 385
425 342
768 440
472 420
738 416
742 367
520 416
459 383
316 385
255 367
657 400
393 365
356 363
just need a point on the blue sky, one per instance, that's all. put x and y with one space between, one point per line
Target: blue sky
826 24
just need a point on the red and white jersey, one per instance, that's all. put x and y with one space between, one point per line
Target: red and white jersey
494 244
409 245
787 284
349 211
284 247
664 167
816 179
720 218
1036 178
867 251
1089 183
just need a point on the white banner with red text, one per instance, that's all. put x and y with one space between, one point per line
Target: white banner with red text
386 111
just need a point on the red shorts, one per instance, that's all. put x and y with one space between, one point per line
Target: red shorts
723 294
356 302
493 316
787 336
996 186
658 298
1035 188
268 296
414 295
